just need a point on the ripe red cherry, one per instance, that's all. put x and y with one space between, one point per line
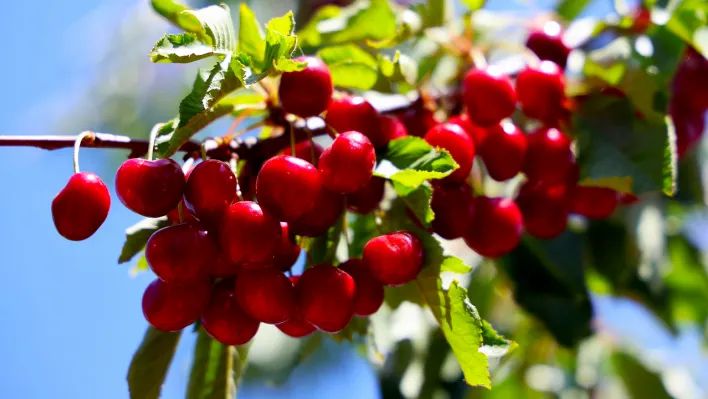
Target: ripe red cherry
287 187
171 306
325 296
210 188
544 209
456 141
541 91
476 133
549 158
247 234
394 259
504 151
348 164
547 43
417 120
305 150
390 128
150 188
81 206
223 267
367 198
628 199
354 113
180 252
594 202
453 206
488 96
306 93
496 227
266 295
689 125
224 319
286 255
326 212
690 82
369 292
296 326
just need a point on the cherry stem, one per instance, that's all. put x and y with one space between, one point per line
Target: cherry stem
153 137
478 58
204 151
77 145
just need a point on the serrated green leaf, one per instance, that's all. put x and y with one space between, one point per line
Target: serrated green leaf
172 10
180 48
417 199
493 344
416 161
474 5
216 369
280 39
287 65
216 23
251 38
137 235
150 362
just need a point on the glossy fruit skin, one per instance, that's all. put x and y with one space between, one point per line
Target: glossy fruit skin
547 44
173 215
266 295
354 113
369 292
394 259
549 158
488 95
224 319
367 198
172 307
453 207
690 84
544 209
326 297
287 187
150 188
304 150
541 91
180 252
348 164
81 206
476 133
286 255
223 267
504 151
306 93
247 234
496 226
210 189
456 141
390 128
594 202
296 326
326 212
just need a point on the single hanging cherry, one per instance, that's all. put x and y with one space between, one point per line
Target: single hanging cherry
210 189
174 306
326 297
287 187
549 159
458 143
347 164
247 234
547 43
150 188
488 95
224 319
354 113
496 226
306 93
181 252
266 295
504 151
394 259
541 92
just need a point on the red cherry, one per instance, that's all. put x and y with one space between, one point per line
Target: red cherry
394 259
171 306
286 255
504 151
369 292
306 93
541 91
594 202
628 199
354 113
348 164
223 267
544 209
224 319
549 158
247 234
390 128
173 215
180 252
305 150
689 125
488 96
296 326
367 198
642 19
690 83
417 120
266 295
287 187
150 188
453 206
210 189
547 44
476 133
456 141
326 297
326 212
81 206
496 227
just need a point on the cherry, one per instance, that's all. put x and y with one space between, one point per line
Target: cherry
247 234
496 227
544 209
476 133
173 306
390 128
354 113
224 319
296 326
326 212
266 295
541 91
369 292
547 43
325 296
642 19
210 189
81 206
367 198
504 151
549 158
306 150
488 96
417 120
628 199
394 259
180 252
594 202
223 267
306 93
690 82
348 164
689 125
285 256
287 187
453 206
456 141
150 188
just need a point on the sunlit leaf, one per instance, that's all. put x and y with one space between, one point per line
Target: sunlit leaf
150 362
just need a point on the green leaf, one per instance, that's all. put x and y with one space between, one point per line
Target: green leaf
287 65
323 249
172 11
570 9
216 369
417 199
180 48
687 281
435 13
474 5
416 162
364 228
455 265
251 39
399 69
137 235
280 39
493 344
216 23
346 53
150 362
688 20
640 382
403 32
